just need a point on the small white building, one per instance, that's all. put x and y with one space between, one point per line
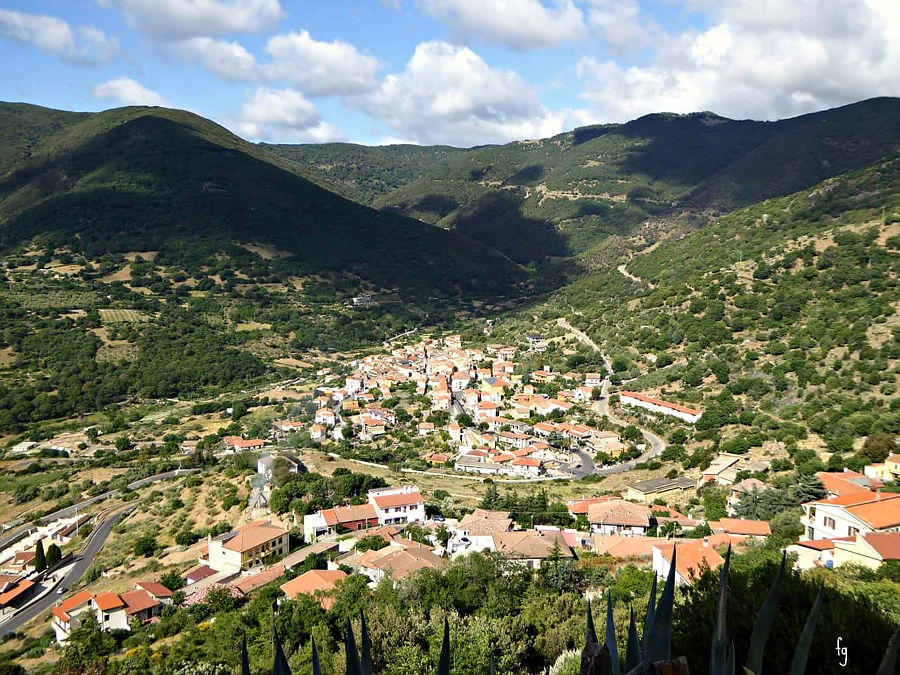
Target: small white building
398 505
636 400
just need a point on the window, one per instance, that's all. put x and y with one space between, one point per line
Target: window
106 617
853 531
829 522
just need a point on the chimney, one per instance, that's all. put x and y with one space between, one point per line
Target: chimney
705 542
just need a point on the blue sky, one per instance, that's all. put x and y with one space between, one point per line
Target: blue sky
460 72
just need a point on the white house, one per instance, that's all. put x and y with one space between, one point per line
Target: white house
851 514
398 505
690 560
618 516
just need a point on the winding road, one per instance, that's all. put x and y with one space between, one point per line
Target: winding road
95 542
657 445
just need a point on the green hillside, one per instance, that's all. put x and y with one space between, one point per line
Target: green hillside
155 179
362 172
779 320
563 195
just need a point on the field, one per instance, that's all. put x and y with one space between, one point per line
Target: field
122 316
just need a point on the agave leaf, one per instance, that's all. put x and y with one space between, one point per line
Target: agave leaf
889 660
610 639
648 617
492 664
280 665
765 619
353 667
444 661
316 666
801 650
659 639
721 658
365 665
590 633
633 648
245 659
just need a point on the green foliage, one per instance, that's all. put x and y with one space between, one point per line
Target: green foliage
40 560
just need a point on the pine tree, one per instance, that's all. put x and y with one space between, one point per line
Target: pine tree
40 561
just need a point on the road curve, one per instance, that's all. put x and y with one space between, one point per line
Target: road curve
95 542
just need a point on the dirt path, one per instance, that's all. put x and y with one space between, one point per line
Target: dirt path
628 275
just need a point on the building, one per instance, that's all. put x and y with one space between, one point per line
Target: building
247 546
741 488
691 559
578 506
398 560
887 471
851 514
636 400
740 527
328 522
871 549
112 611
838 483
238 444
398 505
476 530
316 583
532 548
658 488
618 516
15 591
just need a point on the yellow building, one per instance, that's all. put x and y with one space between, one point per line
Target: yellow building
870 549
887 471
247 546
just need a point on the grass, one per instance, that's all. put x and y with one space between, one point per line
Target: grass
122 316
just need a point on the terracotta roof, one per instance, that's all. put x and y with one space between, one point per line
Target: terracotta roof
247 584
619 512
108 601
506 457
61 611
482 522
531 544
155 588
880 513
401 562
758 528
202 572
404 499
349 514
15 591
526 461
579 506
313 581
659 402
691 558
137 601
624 547
250 536
887 544
822 544
848 482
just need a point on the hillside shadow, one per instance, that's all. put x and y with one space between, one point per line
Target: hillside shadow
526 176
496 219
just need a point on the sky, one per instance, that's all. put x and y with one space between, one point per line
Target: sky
456 72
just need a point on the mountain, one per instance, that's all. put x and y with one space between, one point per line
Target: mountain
364 173
563 195
136 179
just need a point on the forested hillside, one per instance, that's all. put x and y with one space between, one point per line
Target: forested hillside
561 196
779 320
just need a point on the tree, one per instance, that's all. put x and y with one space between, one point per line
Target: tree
40 561
54 555
491 498
172 580
145 546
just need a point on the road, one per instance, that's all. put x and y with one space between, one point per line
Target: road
95 542
657 445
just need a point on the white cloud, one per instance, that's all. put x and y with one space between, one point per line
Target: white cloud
764 59
619 24
125 91
178 19
319 68
518 24
85 45
448 94
282 115
228 60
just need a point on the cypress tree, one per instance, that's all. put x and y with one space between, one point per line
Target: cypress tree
40 561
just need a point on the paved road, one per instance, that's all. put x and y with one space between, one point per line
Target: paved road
95 542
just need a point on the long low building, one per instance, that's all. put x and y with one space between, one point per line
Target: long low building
634 399
658 488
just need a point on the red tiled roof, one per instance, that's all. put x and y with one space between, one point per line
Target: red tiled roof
407 499
887 544
137 601
202 572
15 591
155 588
62 609
660 402
108 601
758 528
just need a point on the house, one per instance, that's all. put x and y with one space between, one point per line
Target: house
398 505
459 381
658 488
526 467
398 560
338 518
14 593
156 590
691 559
838 483
738 490
288 426
112 611
623 548
740 527
198 574
436 458
593 380
318 432
317 583
372 427
476 530
326 417
887 471
238 444
619 516
485 409
247 546
68 615
813 553
848 515
425 428
634 399
870 549
578 506
532 548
